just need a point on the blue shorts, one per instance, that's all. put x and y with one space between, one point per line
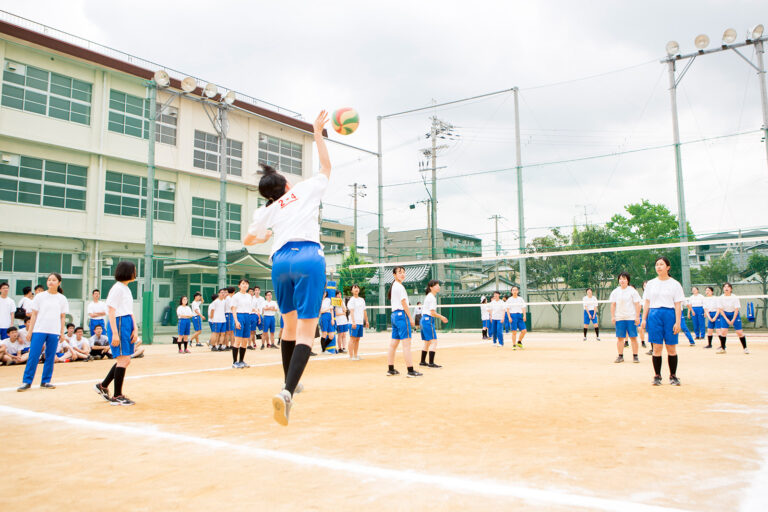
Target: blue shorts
3 333
357 332
255 323
486 324
401 327
517 323
626 328
230 321
197 324
326 323
244 319
588 320
659 325
218 327
124 326
268 324
342 328
93 322
722 323
183 327
298 275
428 331
710 323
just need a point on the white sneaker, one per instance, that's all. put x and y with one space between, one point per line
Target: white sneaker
299 388
281 403
720 351
598 339
746 351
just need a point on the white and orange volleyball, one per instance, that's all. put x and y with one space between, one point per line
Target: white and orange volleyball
345 120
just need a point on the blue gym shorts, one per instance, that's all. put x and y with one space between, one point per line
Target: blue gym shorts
626 328
268 324
517 323
587 320
124 326
722 323
357 332
428 331
401 327
218 327
298 275
326 323
659 325
183 327
245 325
197 324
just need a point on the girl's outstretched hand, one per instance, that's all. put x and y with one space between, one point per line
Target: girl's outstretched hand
320 122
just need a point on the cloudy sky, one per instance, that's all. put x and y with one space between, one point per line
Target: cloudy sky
590 85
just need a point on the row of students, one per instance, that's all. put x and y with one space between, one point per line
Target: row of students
498 313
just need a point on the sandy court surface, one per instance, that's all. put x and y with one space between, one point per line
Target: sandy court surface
556 426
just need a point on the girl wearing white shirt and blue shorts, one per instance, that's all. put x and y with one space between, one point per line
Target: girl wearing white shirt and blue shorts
728 309
711 313
428 327
401 324
663 299
242 305
625 315
184 314
298 261
358 316
517 313
590 313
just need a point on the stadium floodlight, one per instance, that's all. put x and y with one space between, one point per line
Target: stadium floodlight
210 90
673 48
229 98
756 32
729 36
189 84
701 41
161 78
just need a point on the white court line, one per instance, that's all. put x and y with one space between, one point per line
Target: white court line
461 484
225 368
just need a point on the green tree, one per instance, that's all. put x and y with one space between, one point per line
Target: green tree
757 264
718 270
550 275
358 276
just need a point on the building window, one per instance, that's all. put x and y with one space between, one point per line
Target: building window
280 154
128 114
35 181
206 155
126 194
165 127
69 265
42 92
205 218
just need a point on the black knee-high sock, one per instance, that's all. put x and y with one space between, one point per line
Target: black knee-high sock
709 340
186 344
657 364
234 354
672 360
743 341
286 349
242 353
585 332
597 332
431 357
423 357
722 342
296 369
110 377
119 376
323 343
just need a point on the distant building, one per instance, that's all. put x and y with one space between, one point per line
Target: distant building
703 254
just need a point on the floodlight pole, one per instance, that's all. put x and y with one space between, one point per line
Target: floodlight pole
496 218
433 205
222 194
381 213
763 91
520 209
147 297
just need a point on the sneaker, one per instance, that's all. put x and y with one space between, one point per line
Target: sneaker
23 387
186 351
235 365
626 343
281 403
122 400
692 344
181 351
619 359
585 338
198 344
423 363
635 359
47 385
657 380
598 339
392 372
101 390
312 353
214 349
649 353
414 373
746 351
299 388
138 356
644 345
720 351
708 346
243 364
262 348
251 347
674 381
519 344
434 365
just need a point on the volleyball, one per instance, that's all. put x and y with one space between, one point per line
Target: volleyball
345 120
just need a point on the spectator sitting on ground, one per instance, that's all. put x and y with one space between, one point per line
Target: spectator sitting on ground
100 344
69 336
11 350
81 349
63 351
138 349
23 330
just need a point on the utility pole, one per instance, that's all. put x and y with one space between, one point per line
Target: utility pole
355 194
520 210
147 297
496 218
222 195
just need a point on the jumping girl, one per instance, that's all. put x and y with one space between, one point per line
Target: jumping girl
428 327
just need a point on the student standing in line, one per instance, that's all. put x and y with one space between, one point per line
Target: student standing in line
485 317
728 310
507 324
517 312
217 316
684 326
229 338
498 310
46 327
342 324
417 312
7 309
259 303
184 314
26 302
359 318
711 313
197 319
327 326
401 324
625 315
122 333
663 299
696 312
428 327
268 321
253 319
242 304
97 312
590 313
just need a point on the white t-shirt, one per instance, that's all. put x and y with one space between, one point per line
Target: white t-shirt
663 294
242 302
184 311
485 313
356 307
196 308
430 303
270 312
294 216
498 309
729 303
23 332
218 306
711 303
69 337
398 294
26 304
341 318
63 346
515 305
7 308
81 344
120 298
589 303
98 340
12 348
228 303
49 307
258 303
417 310
696 301
325 306
97 307
625 300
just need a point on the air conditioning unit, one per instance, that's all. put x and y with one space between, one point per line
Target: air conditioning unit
9 159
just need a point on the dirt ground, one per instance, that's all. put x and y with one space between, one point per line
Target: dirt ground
557 426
